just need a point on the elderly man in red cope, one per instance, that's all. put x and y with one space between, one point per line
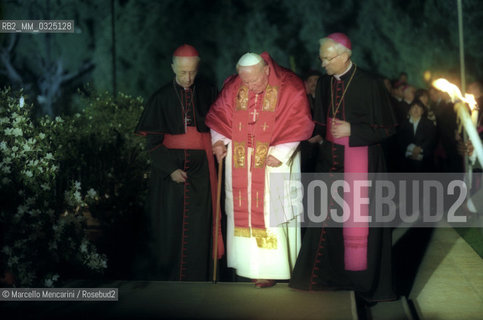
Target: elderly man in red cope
257 123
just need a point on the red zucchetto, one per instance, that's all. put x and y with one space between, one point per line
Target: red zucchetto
341 38
185 51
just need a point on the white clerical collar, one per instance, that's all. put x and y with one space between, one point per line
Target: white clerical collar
337 76
414 121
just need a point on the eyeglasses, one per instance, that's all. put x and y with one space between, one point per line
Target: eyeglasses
328 60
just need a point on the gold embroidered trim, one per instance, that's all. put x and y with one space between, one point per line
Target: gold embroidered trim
265 239
261 150
242 232
270 99
269 242
239 155
242 98
259 233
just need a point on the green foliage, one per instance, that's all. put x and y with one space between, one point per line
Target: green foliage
39 237
54 171
415 36
387 36
100 150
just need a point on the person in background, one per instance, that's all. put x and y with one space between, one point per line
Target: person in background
423 96
417 136
408 97
446 155
309 148
310 82
403 77
399 106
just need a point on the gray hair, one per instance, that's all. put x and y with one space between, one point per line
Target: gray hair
175 58
339 48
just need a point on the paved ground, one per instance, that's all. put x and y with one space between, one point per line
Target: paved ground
449 283
440 274
170 300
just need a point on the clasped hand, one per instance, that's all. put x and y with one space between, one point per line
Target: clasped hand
340 129
179 176
416 152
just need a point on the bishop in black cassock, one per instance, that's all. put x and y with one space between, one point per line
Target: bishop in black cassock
351 104
181 198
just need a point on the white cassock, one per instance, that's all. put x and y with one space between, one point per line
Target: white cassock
276 259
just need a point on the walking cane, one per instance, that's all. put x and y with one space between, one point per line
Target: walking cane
218 196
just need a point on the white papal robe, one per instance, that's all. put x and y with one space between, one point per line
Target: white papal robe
244 253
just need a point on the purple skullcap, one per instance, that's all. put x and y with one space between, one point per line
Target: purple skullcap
341 38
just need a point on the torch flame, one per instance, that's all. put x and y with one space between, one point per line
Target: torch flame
470 100
466 121
454 92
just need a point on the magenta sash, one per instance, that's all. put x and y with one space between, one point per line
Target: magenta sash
355 232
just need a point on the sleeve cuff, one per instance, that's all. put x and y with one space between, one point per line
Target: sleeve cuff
215 136
283 151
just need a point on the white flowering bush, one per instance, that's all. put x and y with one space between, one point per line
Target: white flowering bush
98 148
56 172
42 230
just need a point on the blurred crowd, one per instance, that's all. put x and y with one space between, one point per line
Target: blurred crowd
428 138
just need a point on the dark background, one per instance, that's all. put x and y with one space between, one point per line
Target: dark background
131 53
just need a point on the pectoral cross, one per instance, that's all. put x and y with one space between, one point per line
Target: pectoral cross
187 120
255 114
